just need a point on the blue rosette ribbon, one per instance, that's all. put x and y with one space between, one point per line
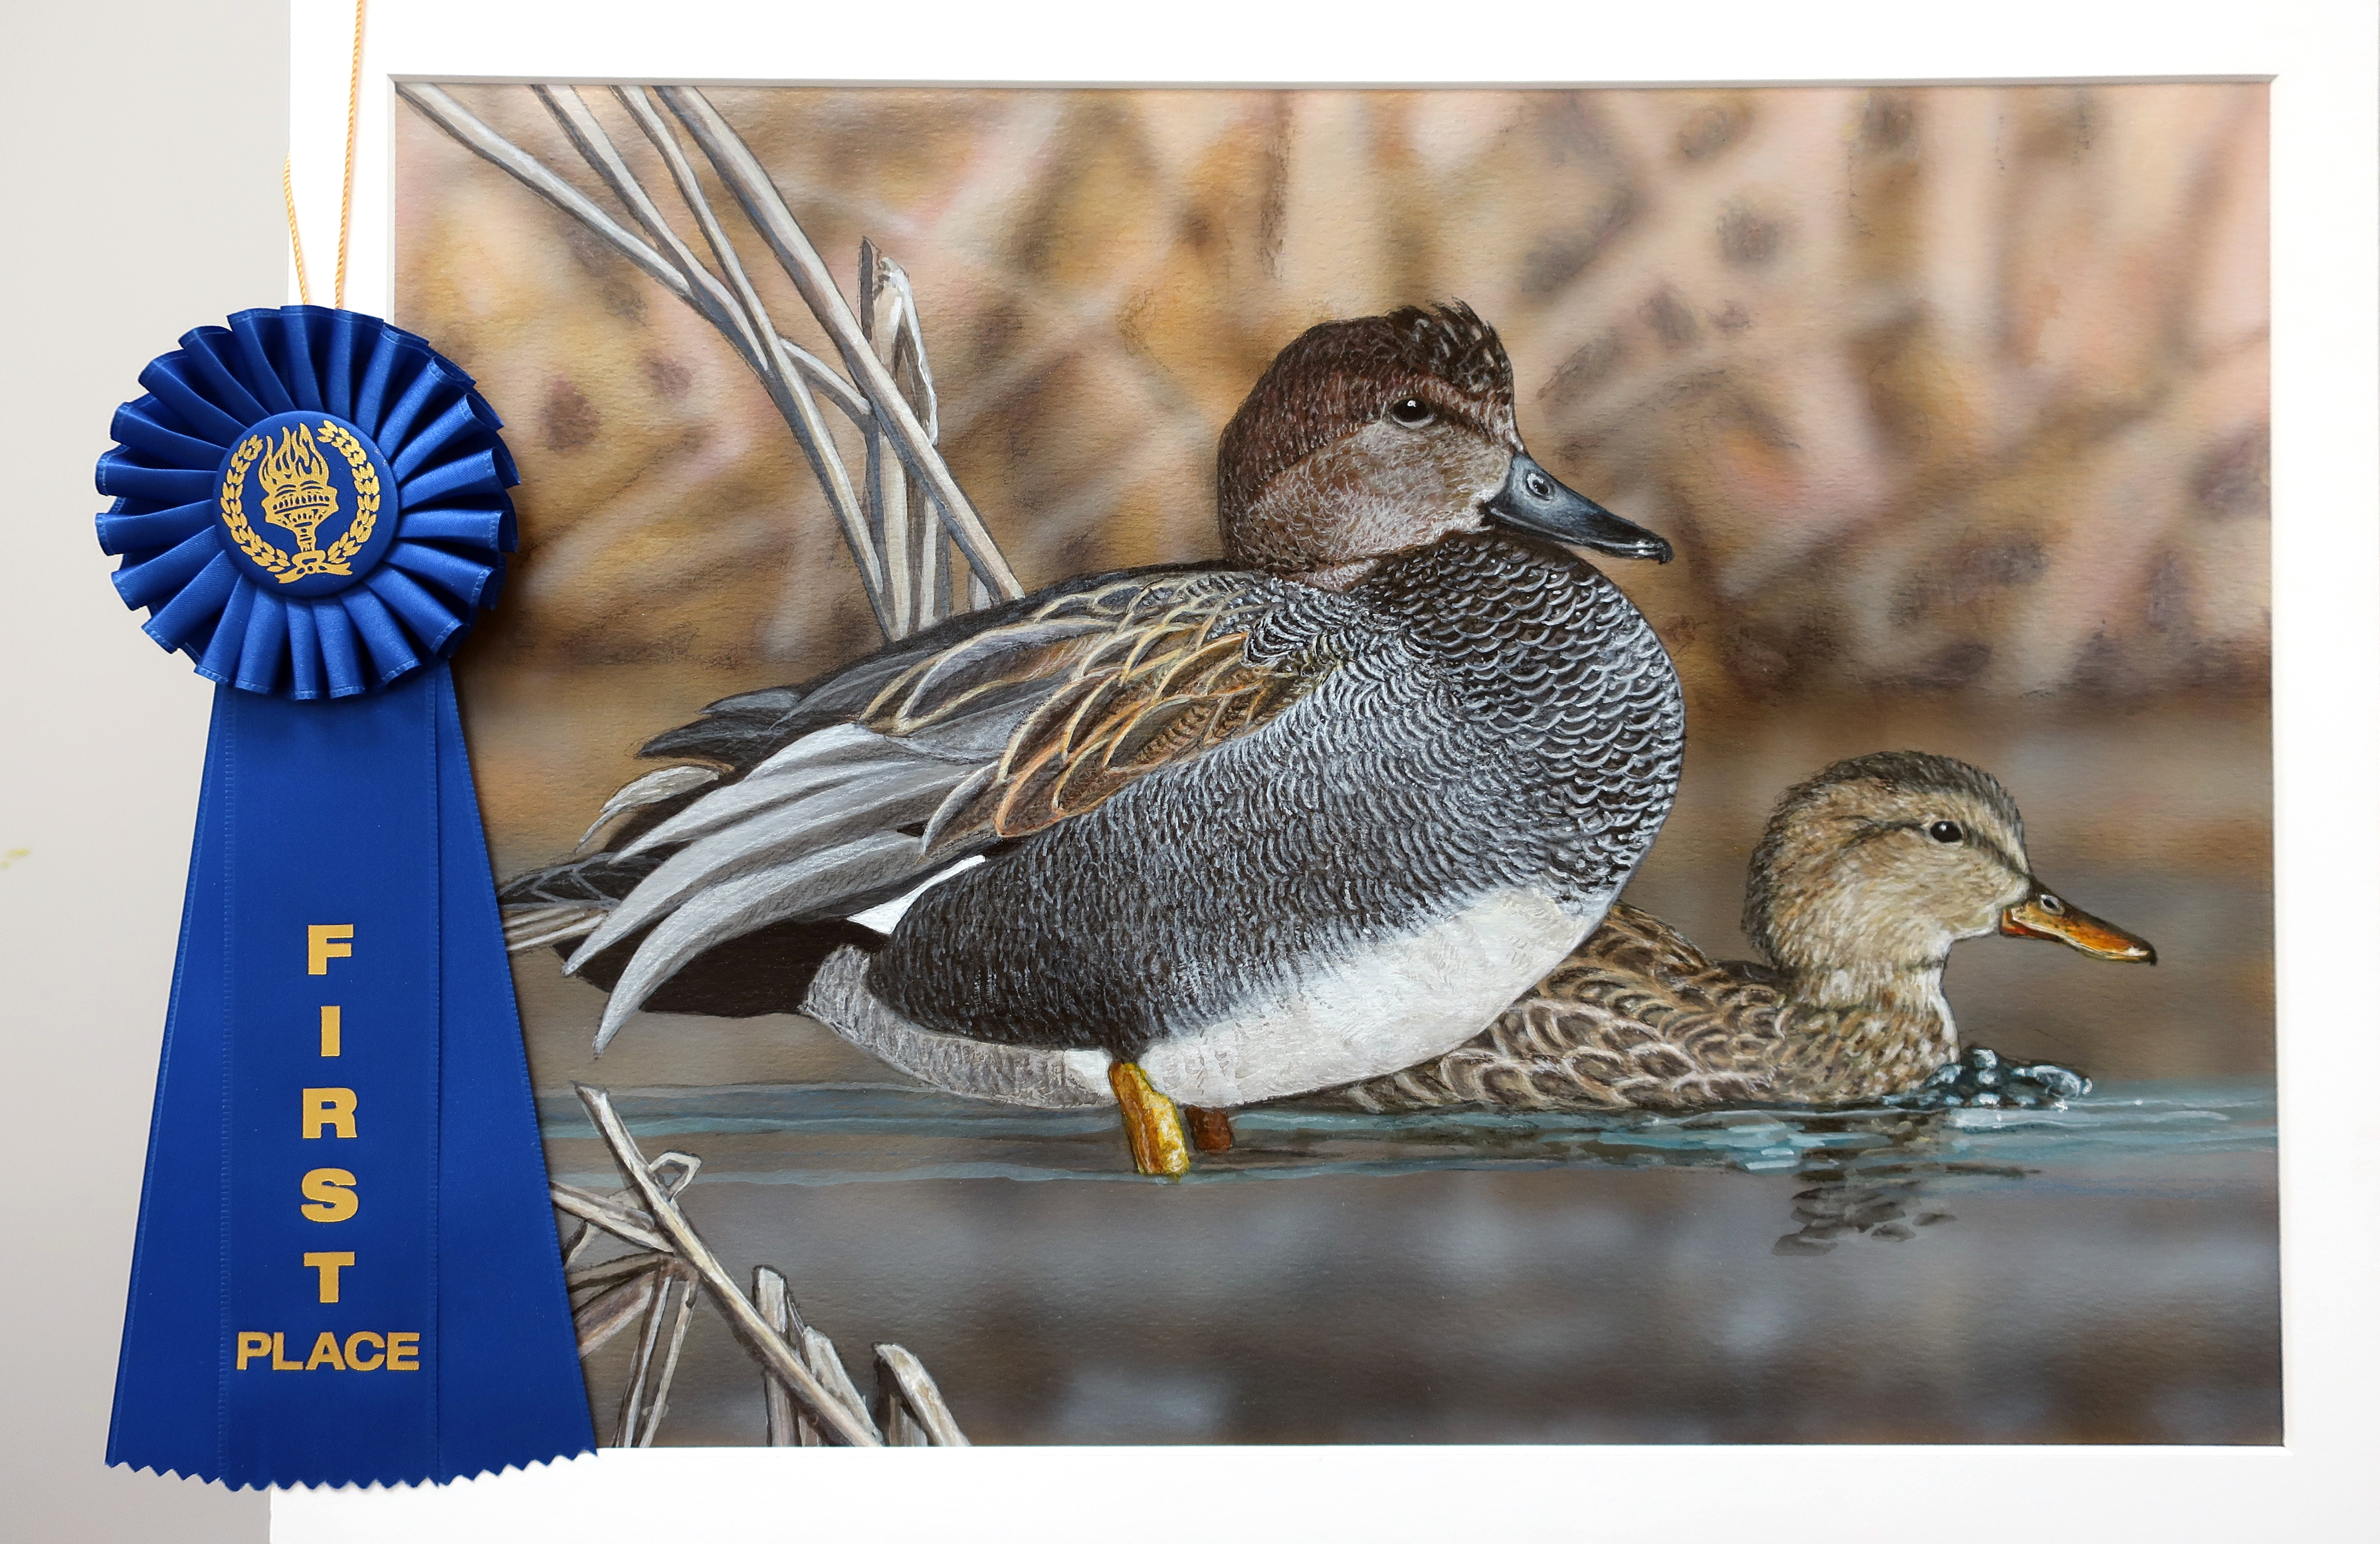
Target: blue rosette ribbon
363 408
345 1269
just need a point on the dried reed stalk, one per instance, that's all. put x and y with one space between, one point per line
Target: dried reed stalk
669 1368
609 1215
787 1427
624 1432
608 1312
910 1407
841 1421
909 513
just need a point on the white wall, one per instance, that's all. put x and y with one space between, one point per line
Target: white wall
142 177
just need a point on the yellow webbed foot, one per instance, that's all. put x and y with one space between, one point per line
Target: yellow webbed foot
1150 1123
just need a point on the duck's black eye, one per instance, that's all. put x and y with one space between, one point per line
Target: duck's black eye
1410 411
2052 905
1945 831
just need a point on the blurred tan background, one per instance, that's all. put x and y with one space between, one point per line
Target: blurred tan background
1953 401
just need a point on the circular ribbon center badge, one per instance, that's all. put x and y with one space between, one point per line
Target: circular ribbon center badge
306 503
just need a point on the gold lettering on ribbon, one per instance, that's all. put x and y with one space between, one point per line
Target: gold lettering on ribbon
334 1108
326 1266
364 1351
330 1196
323 944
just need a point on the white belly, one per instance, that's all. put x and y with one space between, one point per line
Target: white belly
1396 1003
1399 1002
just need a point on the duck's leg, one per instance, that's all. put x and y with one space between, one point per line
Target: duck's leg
1150 1123
1209 1129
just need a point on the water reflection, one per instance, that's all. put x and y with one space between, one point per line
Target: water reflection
1886 1211
1746 1276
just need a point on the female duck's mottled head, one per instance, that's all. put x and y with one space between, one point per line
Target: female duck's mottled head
1879 864
1376 436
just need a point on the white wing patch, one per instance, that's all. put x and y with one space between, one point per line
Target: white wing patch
885 919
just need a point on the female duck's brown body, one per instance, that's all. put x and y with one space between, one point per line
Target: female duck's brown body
1246 831
1865 878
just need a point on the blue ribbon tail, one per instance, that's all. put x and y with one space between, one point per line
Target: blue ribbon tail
510 1390
347 1269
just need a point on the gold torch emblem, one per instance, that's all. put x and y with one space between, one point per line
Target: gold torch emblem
298 497
297 492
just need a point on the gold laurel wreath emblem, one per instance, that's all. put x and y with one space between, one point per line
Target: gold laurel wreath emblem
334 559
263 553
359 529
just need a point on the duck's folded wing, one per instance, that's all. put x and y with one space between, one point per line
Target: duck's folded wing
877 780
1104 689
1637 1019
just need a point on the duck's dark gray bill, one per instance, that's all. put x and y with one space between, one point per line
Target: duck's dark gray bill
1532 500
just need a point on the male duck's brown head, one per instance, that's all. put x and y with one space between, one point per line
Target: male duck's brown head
1376 436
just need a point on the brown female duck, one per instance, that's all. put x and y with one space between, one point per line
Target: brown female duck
1865 876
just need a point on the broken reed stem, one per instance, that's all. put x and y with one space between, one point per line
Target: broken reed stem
786 370
610 1311
888 481
807 1390
739 315
624 1430
841 1423
787 1427
824 1360
669 1368
908 1401
930 565
614 1219
612 1271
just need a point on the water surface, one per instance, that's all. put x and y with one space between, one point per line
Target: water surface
2105 1273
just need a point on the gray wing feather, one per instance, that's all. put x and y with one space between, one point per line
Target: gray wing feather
750 902
880 802
810 763
832 757
651 788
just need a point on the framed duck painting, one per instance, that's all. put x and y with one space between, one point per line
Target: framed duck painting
1550 767
1118 676
1125 703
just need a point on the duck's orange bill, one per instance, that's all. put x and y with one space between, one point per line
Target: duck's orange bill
2043 914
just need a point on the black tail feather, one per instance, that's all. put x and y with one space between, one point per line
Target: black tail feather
598 880
763 972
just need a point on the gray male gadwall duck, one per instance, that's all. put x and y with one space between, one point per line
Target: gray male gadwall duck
1244 831
1865 876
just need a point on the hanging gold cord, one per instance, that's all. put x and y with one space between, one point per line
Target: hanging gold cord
347 186
296 246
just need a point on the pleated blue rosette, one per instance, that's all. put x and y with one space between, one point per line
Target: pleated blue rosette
345 1269
435 554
